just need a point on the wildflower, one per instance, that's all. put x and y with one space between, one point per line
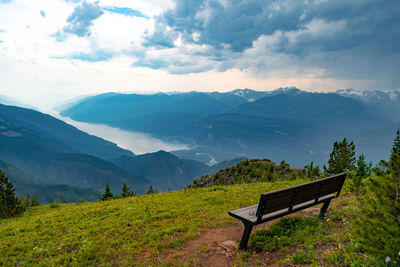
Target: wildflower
387 259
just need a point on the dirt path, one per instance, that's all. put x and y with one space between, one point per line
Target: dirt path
217 247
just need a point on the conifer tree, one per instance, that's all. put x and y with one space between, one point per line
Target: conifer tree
362 171
394 163
107 193
9 204
342 157
62 200
150 190
126 192
379 226
34 202
25 201
311 171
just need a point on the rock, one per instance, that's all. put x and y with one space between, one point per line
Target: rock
229 245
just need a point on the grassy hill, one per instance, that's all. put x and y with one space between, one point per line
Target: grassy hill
154 229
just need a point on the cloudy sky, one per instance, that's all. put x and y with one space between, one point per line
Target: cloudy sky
52 50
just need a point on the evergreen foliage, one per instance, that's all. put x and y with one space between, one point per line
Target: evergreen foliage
342 157
312 172
62 200
251 171
357 178
379 226
9 203
107 193
394 163
25 201
150 190
126 192
34 202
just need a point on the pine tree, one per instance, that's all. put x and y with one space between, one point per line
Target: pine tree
34 202
107 193
362 171
394 163
25 201
342 157
379 226
126 192
150 190
312 172
9 204
62 200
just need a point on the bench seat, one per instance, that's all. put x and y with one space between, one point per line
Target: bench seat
282 202
249 213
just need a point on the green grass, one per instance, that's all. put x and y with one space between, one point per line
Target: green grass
121 232
289 231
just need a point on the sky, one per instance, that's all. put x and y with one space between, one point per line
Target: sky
53 50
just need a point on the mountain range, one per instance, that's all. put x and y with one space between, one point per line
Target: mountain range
48 158
286 123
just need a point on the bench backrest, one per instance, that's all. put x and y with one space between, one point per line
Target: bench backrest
291 196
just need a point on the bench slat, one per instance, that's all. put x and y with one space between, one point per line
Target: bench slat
275 202
308 192
330 186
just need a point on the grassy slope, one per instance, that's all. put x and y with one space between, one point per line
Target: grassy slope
97 232
121 232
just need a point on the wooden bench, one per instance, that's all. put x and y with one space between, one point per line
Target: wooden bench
282 202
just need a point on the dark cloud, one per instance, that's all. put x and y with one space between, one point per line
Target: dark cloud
241 22
346 39
81 19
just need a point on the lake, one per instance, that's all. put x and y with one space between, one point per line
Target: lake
137 142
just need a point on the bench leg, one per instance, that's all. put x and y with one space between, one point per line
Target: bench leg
324 208
246 234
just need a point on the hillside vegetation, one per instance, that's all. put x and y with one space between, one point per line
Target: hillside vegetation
257 170
121 232
149 230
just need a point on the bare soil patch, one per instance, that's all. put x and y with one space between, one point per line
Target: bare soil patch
217 247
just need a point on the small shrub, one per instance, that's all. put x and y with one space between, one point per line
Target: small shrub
245 255
53 205
205 249
302 257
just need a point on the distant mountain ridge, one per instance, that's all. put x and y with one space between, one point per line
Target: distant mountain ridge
166 171
389 101
24 185
286 123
